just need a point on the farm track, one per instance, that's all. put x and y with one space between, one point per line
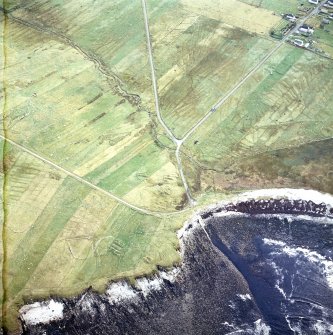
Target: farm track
223 99
116 84
86 182
177 141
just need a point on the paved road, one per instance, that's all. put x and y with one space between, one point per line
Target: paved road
220 102
84 181
178 142
249 74
153 75
157 107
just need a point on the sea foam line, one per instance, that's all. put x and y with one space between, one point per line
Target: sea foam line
47 311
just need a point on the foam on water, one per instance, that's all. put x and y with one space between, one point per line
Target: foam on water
260 328
325 263
147 285
44 312
323 328
324 268
244 297
120 291
41 312
289 193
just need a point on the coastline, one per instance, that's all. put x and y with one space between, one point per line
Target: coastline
285 202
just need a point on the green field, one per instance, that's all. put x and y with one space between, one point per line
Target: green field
62 236
91 186
279 7
69 113
111 34
198 59
79 120
284 105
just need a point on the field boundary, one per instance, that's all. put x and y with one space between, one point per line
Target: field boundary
86 182
217 105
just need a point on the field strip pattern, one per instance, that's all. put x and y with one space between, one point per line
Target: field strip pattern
86 154
216 106
82 180
243 80
84 165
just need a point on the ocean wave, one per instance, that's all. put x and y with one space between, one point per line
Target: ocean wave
325 264
258 328
42 312
119 292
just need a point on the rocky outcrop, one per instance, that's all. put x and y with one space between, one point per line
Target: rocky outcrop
223 284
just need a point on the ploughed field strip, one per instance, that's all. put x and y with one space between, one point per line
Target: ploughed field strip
77 93
63 236
279 112
283 6
77 114
199 55
67 105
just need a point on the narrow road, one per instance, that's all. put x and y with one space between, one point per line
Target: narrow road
153 75
249 74
157 106
220 102
177 141
86 182
103 69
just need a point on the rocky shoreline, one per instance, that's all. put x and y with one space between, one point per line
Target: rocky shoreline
185 300
274 206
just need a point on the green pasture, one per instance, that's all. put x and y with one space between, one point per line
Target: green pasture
279 7
284 105
210 58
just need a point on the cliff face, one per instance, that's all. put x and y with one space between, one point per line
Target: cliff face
237 275
197 302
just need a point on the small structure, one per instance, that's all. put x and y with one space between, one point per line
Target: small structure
298 43
290 17
306 29
329 4
323 11
315 2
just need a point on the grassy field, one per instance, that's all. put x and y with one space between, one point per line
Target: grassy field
279 7
111 32
77 98
286 104
70 107
1 216
62 236
199 55
68 113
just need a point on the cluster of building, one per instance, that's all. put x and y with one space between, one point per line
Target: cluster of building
326 11
316 2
